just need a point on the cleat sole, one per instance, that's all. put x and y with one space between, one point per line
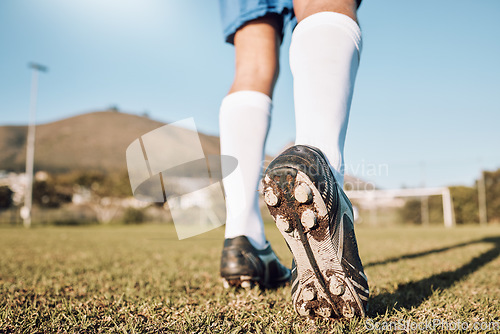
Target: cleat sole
301 216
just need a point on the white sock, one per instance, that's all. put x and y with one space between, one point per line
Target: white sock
324 59
244 123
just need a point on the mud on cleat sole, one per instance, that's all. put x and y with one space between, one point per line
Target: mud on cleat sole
301 215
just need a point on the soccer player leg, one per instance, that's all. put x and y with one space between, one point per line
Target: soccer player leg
244 118
324 58
304 183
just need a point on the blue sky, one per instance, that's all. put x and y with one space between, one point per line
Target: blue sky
426 104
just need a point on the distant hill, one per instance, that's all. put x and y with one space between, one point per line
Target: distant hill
93 141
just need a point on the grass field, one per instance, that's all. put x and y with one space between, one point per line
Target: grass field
136 279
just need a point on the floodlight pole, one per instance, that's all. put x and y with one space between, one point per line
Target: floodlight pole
30 145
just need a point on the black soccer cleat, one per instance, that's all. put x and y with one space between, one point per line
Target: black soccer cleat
244 265
315 217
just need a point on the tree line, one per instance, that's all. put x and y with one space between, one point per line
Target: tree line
56 190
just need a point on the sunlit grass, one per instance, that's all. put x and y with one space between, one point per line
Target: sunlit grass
142 279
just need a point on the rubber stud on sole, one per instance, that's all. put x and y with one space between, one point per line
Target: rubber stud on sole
283 224
270 197
348 311
324 312
246 284
309 294
303 310
336 287
308 219
225 284
302 193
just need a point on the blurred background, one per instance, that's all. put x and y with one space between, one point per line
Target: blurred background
422 145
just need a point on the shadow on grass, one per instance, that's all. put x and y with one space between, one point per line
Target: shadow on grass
420 254
413 294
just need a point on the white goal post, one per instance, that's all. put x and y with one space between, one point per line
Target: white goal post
373 195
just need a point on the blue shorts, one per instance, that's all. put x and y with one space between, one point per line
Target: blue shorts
235 13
